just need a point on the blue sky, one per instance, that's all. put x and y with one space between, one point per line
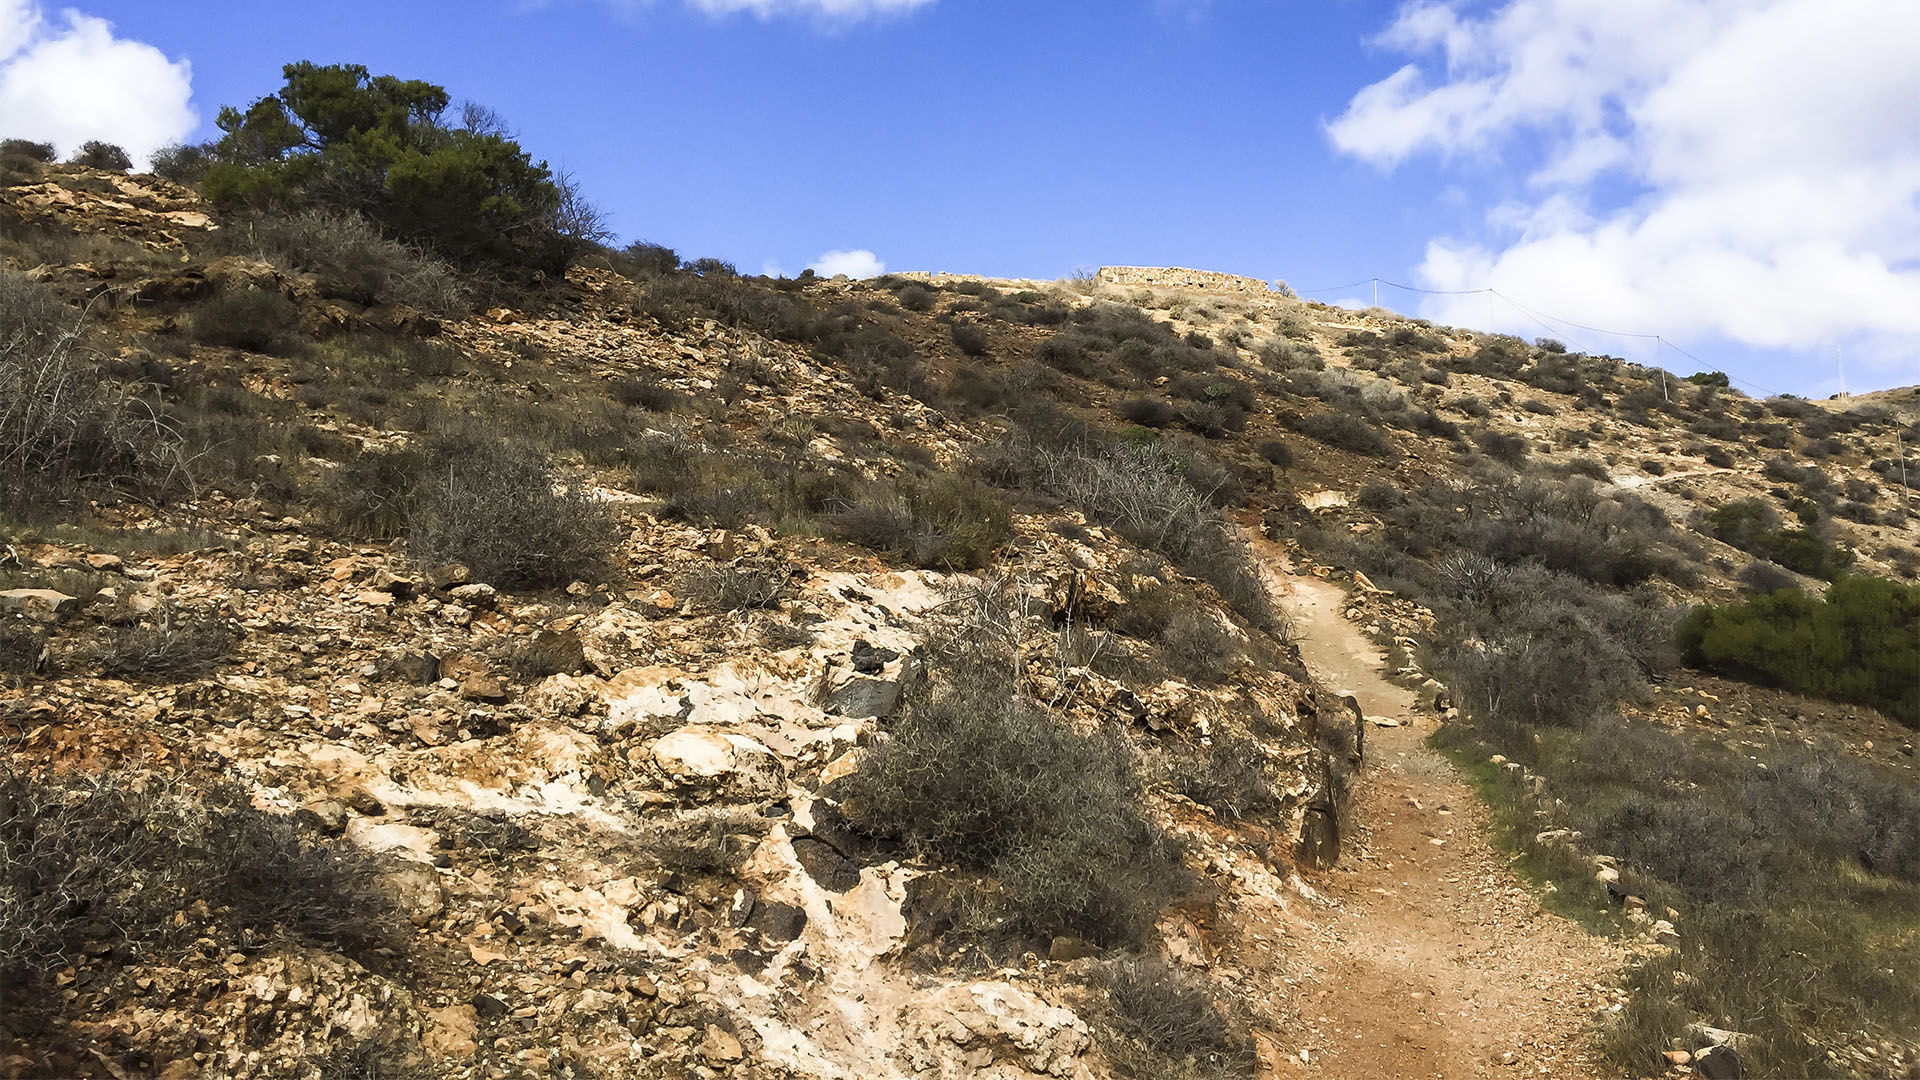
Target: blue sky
1452 144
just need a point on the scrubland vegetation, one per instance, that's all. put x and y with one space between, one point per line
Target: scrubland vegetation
1797 865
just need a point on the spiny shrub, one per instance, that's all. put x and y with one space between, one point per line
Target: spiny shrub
678 298
168 649
951 523
1228 774
1343 431
1510 623
916 297
974 776
1858 643
371 493
736 586
1276 453
1068 353
1504 447
1150 412
1194 644
1761 576
971 338
1145 492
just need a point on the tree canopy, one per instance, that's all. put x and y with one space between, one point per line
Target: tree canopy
336 136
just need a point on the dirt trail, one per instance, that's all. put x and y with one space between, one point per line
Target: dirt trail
1424 956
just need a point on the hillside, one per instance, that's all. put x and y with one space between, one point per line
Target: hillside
645 670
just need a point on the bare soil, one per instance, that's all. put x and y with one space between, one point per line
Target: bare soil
1423 954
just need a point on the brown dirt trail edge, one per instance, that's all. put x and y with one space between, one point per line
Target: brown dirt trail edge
1423 955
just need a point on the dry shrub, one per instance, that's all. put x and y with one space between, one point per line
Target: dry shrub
496 508
975 777
353 260
1168 1024
64 428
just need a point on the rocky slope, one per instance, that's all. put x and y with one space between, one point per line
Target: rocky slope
604 815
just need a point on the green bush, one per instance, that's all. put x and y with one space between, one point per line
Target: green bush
1752 526
976 777
1859 643
182 163
40 153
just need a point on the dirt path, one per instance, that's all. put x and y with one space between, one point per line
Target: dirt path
1424 956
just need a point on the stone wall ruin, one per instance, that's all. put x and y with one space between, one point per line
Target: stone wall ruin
1175 277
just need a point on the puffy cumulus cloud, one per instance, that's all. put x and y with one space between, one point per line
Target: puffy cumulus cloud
1743 168
68 79
854 264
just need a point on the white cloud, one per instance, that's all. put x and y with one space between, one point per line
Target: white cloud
854 264
69 80
1769 151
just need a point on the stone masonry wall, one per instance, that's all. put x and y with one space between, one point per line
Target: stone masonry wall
1179 278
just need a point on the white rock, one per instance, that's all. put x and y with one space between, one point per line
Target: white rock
707 758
